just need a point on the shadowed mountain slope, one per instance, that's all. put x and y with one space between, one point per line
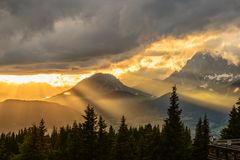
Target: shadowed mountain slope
112 99
17 114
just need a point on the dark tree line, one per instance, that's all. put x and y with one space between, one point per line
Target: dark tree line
232 131
201 141
95 140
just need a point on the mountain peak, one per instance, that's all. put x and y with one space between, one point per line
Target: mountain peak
208 71
102 80
103 77
204 55
208 63
106 84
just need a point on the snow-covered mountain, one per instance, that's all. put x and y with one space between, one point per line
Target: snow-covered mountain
208 72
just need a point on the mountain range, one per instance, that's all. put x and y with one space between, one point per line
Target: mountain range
112 99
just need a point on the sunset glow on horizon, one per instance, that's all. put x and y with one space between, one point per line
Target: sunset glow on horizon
55 80
168 53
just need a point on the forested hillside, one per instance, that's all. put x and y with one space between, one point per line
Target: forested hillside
95 140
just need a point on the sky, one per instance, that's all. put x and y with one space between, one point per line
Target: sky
63 41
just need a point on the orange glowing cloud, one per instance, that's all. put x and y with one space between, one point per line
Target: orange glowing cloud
168 54
171 53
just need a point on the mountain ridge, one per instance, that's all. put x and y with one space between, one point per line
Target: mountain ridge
152 108
18 114
207 72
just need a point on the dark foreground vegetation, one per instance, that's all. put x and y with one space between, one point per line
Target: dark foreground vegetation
94 140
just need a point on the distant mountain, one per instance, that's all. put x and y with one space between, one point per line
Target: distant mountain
110 96
17 114
109 85
207 72
111 99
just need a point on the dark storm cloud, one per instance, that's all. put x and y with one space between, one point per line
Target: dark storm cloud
49 31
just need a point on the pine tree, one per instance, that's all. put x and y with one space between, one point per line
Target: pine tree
148 142
4 153
74 142
198 142
188 144
206 136
201 141
173 132
34 145
232 131
111 143
43 145
102 141
123 150
89 134
62 143
55 153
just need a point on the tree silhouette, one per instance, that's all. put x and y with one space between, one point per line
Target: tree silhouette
123 150
34 145
89 134
232 131
173 132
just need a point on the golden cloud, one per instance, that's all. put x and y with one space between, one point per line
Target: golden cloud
168 54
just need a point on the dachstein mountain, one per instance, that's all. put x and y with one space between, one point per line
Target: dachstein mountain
208 72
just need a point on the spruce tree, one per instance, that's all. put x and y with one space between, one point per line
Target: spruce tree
4 153
148 142
89 134
188 144
54 153
201 141
102 141
62 142
173 132
33 146
198 142
74 142
111 143
43 145
232 131
206 136
123 149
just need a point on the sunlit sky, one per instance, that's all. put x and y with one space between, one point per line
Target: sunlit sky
168 54
55 80
61 42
